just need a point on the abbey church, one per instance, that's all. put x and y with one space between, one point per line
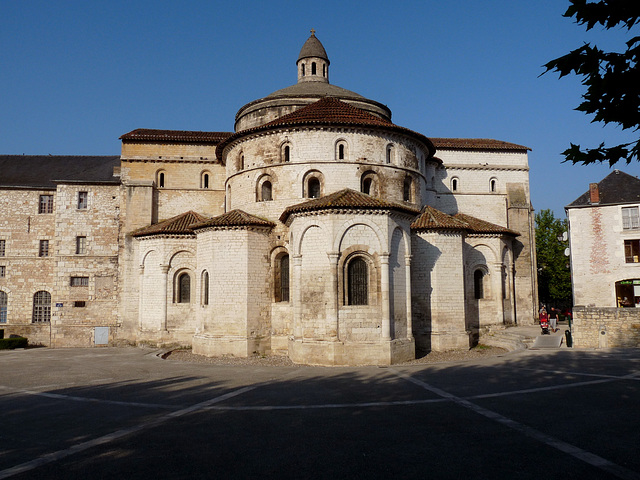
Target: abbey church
317 229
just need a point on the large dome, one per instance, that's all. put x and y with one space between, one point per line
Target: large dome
313 84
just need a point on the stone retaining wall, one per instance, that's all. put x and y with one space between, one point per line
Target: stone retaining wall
605 327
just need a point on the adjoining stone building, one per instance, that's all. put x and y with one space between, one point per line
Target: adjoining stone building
604 227
317 229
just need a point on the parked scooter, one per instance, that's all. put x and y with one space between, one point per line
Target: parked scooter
544 321
544 325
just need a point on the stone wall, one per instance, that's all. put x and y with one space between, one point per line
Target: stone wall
316 151
80 306
606 327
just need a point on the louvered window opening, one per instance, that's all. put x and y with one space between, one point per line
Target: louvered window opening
358 278
284 279
184 286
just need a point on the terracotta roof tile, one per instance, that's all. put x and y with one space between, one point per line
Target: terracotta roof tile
146 134
178 225
234 218
474 144
346 199
432 219
331 112
481 226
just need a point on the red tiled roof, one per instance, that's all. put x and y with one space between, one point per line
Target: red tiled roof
474 144
175 136
178 225
328 111
234 218
346 199
481 226
432 219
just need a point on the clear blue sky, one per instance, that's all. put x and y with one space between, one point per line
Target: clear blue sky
75 75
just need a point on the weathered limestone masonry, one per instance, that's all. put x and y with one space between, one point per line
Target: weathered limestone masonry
59 250
318 229
606 327
25 271
94 304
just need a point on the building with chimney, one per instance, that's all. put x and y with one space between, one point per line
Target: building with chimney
604 227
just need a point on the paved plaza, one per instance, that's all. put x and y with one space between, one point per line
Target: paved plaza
125 413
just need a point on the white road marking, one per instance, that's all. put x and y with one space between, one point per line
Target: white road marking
580 454
59 396
55 456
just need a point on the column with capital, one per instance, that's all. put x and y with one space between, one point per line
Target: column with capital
297 307
407 263
497 289
384 296
141 297
332 307
164 269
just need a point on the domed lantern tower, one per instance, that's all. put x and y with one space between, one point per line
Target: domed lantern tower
313 62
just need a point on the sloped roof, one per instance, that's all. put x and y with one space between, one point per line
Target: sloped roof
617 187
178 225
313 89
346 199
147 134
475 144
327 111
481 226
45 171
234 218
330 110
433 219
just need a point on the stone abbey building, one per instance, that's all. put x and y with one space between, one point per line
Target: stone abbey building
318 229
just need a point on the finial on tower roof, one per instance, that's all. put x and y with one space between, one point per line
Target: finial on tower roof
313 32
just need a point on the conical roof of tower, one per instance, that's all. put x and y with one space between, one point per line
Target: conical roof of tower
346 199
313 48
234 218
178 225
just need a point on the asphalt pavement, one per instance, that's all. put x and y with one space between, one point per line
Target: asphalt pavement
126 413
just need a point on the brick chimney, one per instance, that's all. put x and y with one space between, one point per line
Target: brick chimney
594 193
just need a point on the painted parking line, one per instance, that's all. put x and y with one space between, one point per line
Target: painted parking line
576 452
59 396
111 437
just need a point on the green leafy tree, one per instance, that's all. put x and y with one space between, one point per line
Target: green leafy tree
612 78
554 275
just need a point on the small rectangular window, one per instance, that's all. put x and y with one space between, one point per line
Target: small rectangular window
630 218
632 251
83 200
3 271
43 250
80 303
2 247
79 281
46 204
81 245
